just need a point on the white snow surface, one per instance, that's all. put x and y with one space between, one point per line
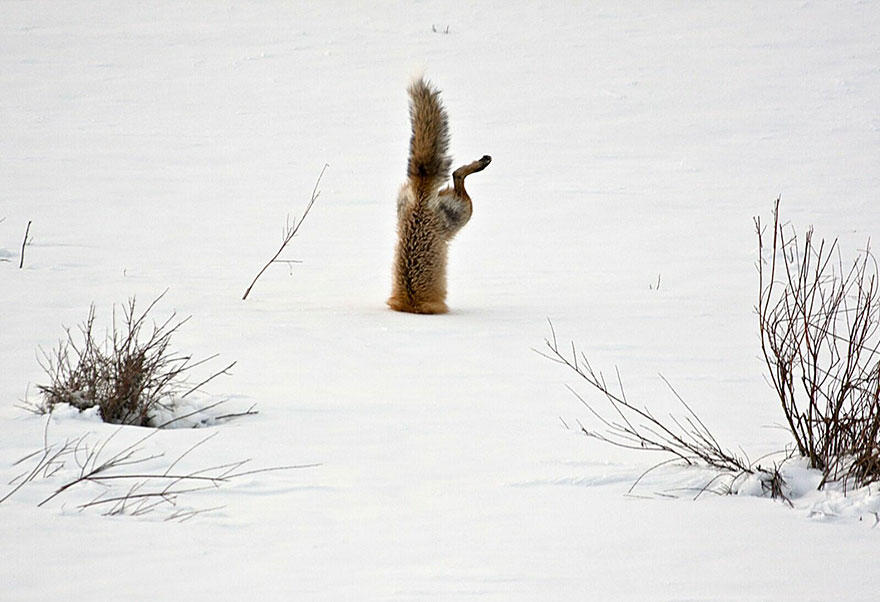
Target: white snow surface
161 145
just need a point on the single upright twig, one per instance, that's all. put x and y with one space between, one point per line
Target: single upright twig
24 244
289 232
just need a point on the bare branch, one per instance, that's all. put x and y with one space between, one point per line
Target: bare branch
24 244
290 231
135 492
626 425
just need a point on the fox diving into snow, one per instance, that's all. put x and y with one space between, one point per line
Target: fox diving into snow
428 215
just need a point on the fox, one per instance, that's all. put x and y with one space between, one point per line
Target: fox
429 215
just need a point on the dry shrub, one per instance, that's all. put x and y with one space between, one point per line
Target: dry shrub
130 375
819 320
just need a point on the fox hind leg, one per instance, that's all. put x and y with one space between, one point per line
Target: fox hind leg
454 204
464 171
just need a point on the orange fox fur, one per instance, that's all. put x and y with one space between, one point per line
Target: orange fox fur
428 217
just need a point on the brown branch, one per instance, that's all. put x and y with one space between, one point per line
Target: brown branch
686 439
289 232
24 244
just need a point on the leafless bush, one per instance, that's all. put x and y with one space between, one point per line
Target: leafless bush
127 483
819 319
130 376
684 439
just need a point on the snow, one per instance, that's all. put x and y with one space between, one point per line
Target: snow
161 145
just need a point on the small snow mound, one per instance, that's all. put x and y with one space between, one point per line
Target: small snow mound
179 413
834 501
752 485
65 411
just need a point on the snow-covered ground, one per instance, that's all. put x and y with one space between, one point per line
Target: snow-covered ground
161 145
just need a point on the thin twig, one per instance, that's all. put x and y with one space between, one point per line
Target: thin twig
24 244
289 233
249 412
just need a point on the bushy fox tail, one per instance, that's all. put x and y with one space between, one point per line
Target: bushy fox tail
429 161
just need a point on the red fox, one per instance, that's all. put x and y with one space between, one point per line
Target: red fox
428 217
